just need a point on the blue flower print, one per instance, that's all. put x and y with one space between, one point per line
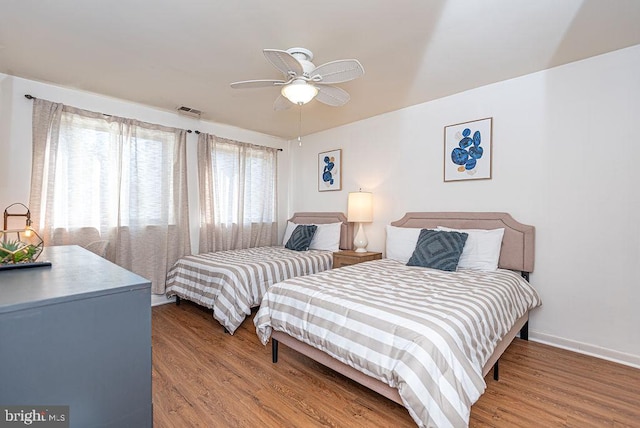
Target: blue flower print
327 176
468 151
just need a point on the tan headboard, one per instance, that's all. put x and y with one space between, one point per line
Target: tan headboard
346 231
518 243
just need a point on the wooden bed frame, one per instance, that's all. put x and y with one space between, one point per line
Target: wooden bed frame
517 253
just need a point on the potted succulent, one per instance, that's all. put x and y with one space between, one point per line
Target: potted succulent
24 248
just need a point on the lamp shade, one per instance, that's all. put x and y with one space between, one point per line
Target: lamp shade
299 92
360 207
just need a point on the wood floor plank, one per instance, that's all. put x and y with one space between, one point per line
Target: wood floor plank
203 377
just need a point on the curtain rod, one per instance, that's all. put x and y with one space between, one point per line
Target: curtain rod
31 97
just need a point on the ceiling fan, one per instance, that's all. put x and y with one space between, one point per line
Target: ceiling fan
303 81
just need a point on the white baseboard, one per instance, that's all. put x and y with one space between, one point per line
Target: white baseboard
585 348
161 299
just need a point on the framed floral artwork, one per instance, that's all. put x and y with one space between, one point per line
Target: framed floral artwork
467 150
330 170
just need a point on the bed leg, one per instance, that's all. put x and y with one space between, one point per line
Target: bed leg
496 372
274 351
177 300
524 331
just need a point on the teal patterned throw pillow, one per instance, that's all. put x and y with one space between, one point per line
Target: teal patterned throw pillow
301 237
437 249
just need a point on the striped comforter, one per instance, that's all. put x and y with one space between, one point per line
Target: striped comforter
232 282
426 332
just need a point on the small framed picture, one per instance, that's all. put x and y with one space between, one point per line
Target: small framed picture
330 170
467 150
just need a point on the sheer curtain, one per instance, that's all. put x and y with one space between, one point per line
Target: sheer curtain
237 194
112 181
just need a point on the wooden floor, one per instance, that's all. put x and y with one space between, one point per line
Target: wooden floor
203 377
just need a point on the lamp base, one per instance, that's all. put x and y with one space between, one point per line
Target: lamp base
360 241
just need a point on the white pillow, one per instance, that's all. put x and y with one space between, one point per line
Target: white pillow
288 231
481 250
327 236
401 242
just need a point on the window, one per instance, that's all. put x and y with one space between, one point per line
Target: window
95 167
113 180
237 194
245 185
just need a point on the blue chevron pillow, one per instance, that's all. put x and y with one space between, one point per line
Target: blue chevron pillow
438 249
301 237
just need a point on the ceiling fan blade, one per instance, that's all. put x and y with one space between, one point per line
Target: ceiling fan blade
332 95
338 71
284 61
257 84
281 103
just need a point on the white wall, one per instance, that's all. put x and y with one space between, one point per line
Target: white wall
564 150
15 138
565 144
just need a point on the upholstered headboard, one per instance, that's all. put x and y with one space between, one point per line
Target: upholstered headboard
346 230
518 243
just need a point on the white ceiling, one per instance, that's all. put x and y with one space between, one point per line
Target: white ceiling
186 52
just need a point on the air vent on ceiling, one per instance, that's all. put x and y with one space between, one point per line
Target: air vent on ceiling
188 111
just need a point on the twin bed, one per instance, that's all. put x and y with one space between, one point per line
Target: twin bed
422 337
232 282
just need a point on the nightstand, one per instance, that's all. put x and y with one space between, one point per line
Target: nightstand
346 258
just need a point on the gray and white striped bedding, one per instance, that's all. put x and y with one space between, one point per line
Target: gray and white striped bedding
232 282
426 332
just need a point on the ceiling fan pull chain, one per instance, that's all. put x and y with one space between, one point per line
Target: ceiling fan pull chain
300 125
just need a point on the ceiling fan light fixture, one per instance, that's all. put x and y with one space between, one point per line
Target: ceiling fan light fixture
300 77
299 92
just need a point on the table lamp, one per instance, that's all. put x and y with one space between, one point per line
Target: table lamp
26 214
360 210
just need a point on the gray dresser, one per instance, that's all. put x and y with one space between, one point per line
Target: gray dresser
77 333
